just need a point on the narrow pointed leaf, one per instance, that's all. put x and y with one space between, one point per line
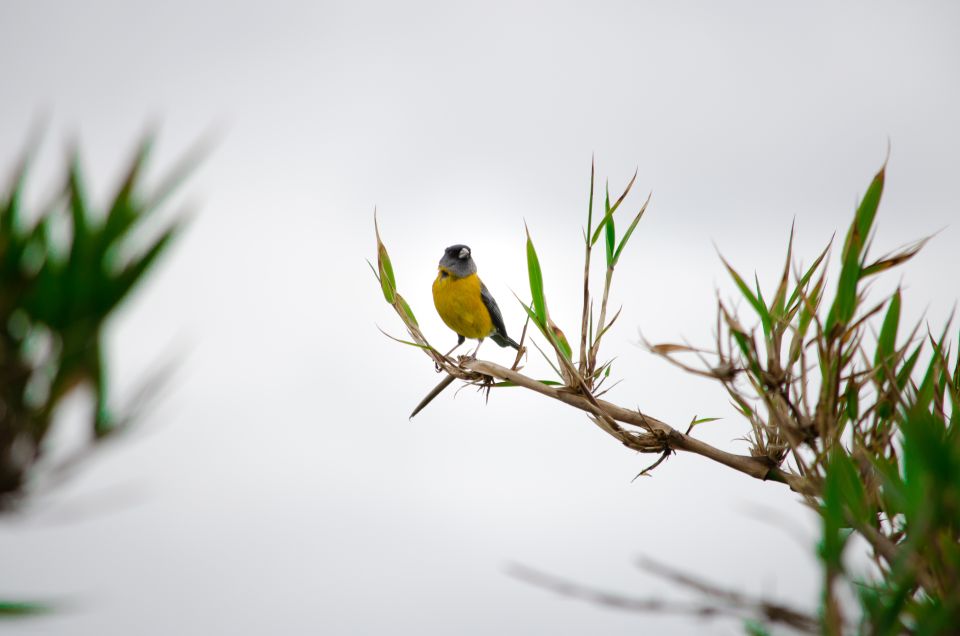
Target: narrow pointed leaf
609 213
886 343
758 306
407 310
610 243
629 232
536 283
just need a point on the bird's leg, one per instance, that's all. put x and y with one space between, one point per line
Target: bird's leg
460 341
474 354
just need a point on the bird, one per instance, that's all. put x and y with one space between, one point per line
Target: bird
464 302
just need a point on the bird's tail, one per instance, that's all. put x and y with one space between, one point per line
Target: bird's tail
504 341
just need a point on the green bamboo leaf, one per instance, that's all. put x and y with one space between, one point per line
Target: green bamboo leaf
560 339
863 219
532 314
833 539
778 309
845 303
851 272
611 235
765 320
892 260
550 331
407 310
851 486
758 306
802 283
387 280
406 342
696 421
385 268
927 389
536 283
886 343
609 213
629 232
906 370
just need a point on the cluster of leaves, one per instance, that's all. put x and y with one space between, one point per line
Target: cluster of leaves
64 269
861 427
584 373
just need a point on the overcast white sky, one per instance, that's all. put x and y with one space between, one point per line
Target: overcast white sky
278 487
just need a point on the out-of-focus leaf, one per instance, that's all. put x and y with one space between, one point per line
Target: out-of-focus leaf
13 609
927 389
843 494
125 211
669 347
892 260
886 342
926 461
754 627
906 370
134 272
852 399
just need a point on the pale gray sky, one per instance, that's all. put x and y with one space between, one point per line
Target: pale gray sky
278 487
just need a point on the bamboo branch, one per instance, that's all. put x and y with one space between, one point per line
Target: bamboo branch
669 437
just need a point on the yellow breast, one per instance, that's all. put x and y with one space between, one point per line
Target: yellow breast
460 306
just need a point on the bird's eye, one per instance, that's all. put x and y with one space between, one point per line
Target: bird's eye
464 253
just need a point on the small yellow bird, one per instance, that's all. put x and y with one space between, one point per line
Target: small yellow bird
464 303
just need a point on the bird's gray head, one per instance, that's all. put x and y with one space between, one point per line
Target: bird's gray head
457 261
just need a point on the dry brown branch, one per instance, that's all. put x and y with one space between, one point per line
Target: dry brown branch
717 603
666 435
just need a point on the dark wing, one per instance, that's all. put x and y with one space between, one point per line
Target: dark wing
499 329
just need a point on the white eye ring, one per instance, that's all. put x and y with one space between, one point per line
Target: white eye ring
464 252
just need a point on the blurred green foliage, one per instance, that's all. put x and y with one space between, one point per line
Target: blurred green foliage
64 269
